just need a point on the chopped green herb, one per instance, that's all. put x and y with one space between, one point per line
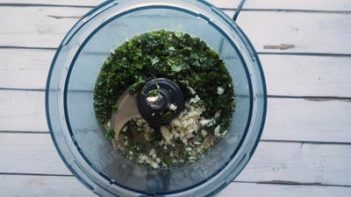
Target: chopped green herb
136 87
188 61
115 108
110 134
153 92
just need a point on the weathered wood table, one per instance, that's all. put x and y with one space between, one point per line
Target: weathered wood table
305 48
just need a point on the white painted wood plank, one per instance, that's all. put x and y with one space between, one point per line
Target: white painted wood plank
318 33
287 119
306 32
300 163
29 71
300 119
332 5
38 186
285 75
69 186
56 2
307 75
36 26
254 190
30 186
30 153
294 162
22 111
218 3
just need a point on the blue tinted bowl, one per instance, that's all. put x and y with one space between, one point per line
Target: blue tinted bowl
70 88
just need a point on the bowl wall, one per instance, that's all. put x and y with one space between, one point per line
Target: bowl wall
70 109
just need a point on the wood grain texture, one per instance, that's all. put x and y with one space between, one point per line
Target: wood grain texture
272 162
254 190
306 120
322 76
30 153
335 5
30 71
219 3
36 26
326 33
37 186
307 75
55 2
22 111
296 163
287 119
307 32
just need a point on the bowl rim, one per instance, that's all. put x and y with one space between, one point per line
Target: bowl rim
75 29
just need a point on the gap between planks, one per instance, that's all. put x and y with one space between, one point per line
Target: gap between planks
309 98
287 119
268 165
326 11
262 140
70 186
273 182
310 77
258 52
50 31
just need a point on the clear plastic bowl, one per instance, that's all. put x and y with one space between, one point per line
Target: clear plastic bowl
70 87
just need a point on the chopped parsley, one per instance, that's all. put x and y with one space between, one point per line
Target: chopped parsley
186 60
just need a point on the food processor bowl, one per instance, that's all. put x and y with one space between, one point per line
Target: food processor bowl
80 139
